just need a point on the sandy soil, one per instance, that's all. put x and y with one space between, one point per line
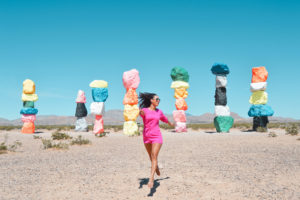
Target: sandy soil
194 165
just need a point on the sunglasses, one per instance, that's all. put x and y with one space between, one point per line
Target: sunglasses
157 99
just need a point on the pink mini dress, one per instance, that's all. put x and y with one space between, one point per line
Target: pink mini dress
151 132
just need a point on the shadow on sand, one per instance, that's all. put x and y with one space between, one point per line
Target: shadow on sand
248 131
144 181
210 132
38 132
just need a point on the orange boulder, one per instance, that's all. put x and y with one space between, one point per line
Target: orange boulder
180 93
259 74
28 127
131 97
181 104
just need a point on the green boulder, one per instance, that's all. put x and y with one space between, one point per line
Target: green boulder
28 104
180 74
223 123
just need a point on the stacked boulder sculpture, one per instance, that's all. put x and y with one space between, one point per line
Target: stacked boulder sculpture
81 112
28 111
131 81
222 121
99 94
259 98
180 84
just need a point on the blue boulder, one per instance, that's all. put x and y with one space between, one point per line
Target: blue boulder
220 69
29 111
260 110
100 94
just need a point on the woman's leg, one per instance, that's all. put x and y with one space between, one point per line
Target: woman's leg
148 147
154 154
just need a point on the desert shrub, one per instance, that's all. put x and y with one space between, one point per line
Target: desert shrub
65 128
166 126
56 127
36 137
48 144
262 129
200 126
276 125
80 141
115 128
9 128
90 127
3 148
13 147
292 129
60 136
272 134
242 125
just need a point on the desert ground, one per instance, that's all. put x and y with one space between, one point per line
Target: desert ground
195 165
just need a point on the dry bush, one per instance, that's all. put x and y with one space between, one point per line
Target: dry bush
272 134
80 141
9 128
4 148
292 129
242 125
36 137
48 144
60 136
262 129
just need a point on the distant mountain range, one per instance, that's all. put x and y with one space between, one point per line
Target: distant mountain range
115 117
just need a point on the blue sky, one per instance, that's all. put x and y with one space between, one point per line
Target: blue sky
64 45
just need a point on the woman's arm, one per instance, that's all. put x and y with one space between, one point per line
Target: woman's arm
165 119
142 113
170 123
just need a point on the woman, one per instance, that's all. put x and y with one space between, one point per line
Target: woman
151 133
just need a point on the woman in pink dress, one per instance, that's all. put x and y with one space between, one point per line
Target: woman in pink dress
151 133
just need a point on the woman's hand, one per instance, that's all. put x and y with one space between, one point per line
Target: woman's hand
171 124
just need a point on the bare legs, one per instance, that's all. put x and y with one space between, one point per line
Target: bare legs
153 150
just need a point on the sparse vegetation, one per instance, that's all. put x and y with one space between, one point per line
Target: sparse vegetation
200 126
262 129
36 137
117 128
60 136
80 141
48 144
242 126
4 148
272 134
165 126
9 128
14 146
292 129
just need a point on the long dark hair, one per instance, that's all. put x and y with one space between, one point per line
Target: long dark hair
145 99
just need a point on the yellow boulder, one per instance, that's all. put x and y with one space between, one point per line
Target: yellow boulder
180 84
29 97
28 87
259 97
98 84
130 128
131 112
180 93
